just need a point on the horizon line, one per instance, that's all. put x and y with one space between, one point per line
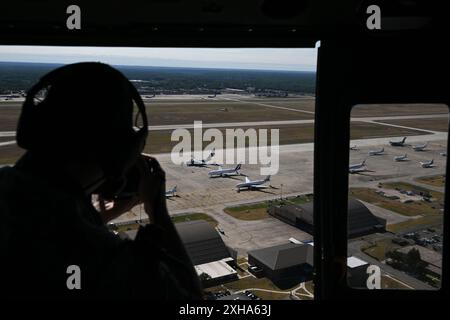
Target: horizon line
171 67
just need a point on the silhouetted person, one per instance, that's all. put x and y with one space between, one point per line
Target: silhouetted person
77 127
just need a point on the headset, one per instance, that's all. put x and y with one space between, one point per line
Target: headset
115 161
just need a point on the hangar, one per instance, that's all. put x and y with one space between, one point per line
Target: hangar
295 260
203 243
360 220
284 261
208 252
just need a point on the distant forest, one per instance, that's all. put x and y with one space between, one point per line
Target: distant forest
16 76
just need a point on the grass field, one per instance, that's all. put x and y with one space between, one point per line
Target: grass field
414 224
218 111
195 216
258 211
435 181
4 139
365 130
10 153
304 104
8 117
375 110
433 124
379 249
390 283
160 141
415 208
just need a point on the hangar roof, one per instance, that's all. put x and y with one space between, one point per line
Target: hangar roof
360 218
203 243
284 256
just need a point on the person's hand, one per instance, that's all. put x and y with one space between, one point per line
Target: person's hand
110 210
151 192
152 186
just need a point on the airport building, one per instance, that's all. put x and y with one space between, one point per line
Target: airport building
297 260
212 259
209 254
360 220
284 261
357 272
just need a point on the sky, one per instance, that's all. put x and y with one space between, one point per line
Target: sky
241 58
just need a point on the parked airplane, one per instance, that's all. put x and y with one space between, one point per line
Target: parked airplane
358 167
398 143
172 192
401 158
376 152
225 172
427 164
420 147
444 154
201 163
215 94
354 148
256 184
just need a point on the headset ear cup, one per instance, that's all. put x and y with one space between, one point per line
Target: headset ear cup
26 133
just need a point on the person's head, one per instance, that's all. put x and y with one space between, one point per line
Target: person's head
83 114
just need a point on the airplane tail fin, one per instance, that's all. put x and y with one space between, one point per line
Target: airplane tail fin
382 149
404 139
238 167
267 178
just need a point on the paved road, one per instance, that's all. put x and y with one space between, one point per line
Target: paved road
7 143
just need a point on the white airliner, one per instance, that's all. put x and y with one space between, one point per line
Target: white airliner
376 152
256 184
420 147
398 143
427 164
225 172
201 163
401 158
354 148
172 192
444 154
358 167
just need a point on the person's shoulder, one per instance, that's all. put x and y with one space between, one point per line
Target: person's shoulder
17 186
